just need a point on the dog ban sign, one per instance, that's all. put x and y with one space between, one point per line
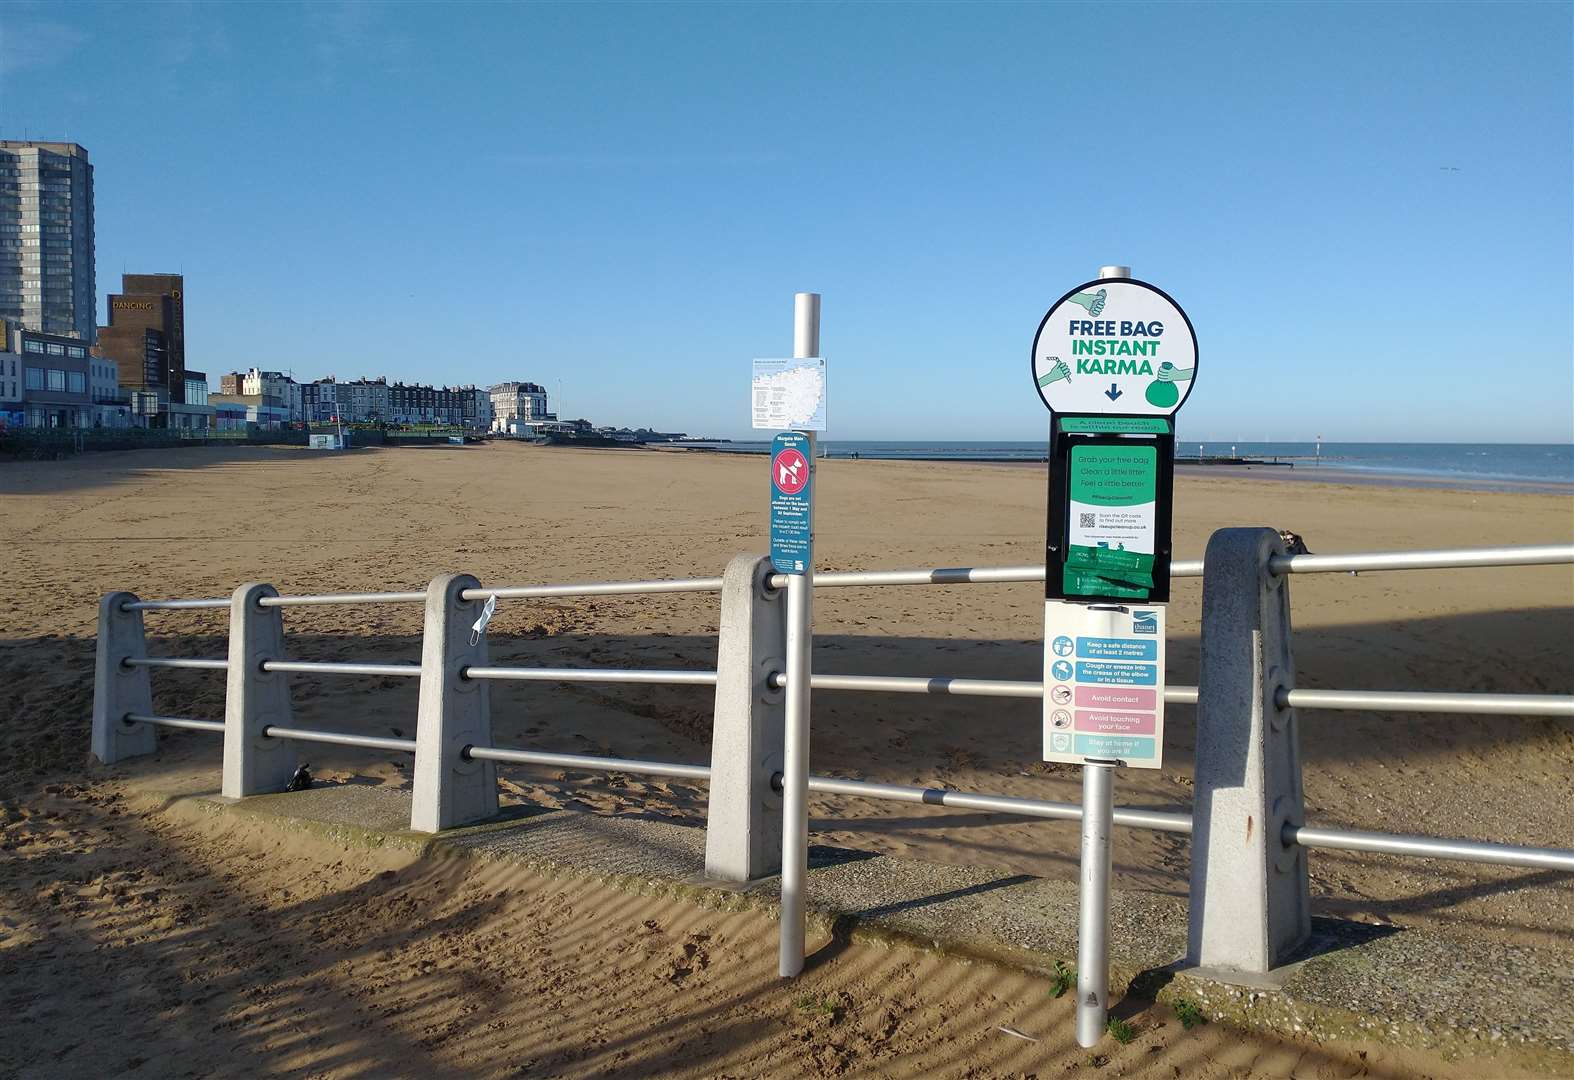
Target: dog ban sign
1115 345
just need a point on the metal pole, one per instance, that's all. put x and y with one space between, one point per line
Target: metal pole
1098 813
1098 819
795 744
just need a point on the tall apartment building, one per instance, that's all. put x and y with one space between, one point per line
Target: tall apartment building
47 280
146 335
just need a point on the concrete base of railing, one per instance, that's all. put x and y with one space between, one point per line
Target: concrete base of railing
744 819
1250 909
118 688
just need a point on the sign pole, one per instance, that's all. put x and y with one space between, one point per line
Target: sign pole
800 638
1098 819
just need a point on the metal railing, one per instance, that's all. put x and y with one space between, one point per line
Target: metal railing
1459 558
1293 834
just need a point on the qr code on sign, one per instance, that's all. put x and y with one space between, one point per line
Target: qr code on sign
1089 521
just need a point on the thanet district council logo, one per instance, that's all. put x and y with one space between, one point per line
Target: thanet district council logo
1144 622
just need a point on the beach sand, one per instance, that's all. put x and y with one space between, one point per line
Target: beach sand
192 523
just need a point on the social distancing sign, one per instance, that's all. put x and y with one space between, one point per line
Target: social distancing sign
1104 684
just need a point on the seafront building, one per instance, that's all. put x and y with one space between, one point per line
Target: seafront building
47 268
46 380
146 338
278 386
517 406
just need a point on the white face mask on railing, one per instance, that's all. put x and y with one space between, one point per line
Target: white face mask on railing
478 627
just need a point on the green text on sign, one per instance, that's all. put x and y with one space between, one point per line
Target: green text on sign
1116 425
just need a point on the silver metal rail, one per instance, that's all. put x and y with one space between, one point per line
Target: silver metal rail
176 662
344 598
174 605
1162 820
340 738
607 675
957 575
1428 847
918 684
1169 821
1428 701
587 762
317 667
176 722
1364 700
595 588
1452 558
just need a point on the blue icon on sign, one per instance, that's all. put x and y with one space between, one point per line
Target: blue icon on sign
1063 646
1145 622
1061 669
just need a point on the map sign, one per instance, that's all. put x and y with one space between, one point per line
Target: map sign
1104 684
789 394
1114 345
792 503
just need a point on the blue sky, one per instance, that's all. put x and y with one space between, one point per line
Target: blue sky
619 201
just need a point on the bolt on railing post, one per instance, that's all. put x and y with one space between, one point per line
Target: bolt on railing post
1250 908
743 822
255 699
117 688
455 712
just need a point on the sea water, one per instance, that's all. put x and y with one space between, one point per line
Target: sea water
1550 464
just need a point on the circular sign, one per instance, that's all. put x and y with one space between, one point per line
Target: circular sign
790 471
1115 345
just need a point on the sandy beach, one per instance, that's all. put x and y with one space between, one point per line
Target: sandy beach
195 523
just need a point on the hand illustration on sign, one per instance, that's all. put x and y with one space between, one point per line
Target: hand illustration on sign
1055 373
1093 301
1161 391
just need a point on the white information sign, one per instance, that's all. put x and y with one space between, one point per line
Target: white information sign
1104 684
1115 346
789 395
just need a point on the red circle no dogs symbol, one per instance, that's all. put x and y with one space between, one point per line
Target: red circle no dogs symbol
790 471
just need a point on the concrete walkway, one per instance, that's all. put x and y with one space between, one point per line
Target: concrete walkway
1407 987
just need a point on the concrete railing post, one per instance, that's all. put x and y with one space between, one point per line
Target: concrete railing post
455 712
1250 909
743 824
118 689
255 699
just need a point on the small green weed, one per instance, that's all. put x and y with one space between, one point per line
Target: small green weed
1065 978
1189 1013
824 1006
1120 1031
